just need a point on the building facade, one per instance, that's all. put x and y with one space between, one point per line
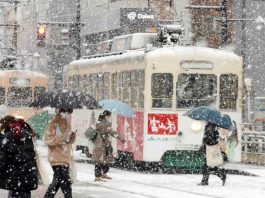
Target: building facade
249 41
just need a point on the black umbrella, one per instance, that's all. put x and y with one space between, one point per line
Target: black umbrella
65 99
208 114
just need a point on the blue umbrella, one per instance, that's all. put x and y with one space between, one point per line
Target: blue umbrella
116 106
210 115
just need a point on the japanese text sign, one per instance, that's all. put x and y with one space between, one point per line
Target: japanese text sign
162 124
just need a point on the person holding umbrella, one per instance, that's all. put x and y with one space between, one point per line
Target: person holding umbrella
59 138
103 150
212 154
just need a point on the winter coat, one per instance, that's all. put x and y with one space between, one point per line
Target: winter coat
59 152
18 168
103 151
210 137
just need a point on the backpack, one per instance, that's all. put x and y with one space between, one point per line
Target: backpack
91 134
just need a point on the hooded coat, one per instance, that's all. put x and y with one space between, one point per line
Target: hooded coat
103 151
18 168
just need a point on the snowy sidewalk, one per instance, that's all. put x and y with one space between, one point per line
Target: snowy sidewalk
127 184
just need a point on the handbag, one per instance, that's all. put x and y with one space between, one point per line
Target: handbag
213 155
91 134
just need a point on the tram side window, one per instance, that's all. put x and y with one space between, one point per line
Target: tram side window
89 84
38 91
196 90
71 82
82 82
134 88
162 90
19 96
103 86
126 82
114 90
76 81
141 84
94 85
100 86
106 85
120 88
228 91
130 88
2 95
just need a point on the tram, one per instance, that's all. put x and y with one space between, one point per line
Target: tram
160 84
18 88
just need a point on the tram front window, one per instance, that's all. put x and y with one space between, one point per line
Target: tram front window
38 91
162 90
195 90
2 95
19 96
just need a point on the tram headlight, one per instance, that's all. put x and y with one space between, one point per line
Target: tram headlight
196 126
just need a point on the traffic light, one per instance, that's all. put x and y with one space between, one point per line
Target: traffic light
41 35
65 37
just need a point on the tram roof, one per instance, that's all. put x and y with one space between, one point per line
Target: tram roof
23 72
139 55
121 57
199 51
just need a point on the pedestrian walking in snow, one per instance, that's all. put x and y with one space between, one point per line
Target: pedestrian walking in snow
18 168
59 138
212 154
103 150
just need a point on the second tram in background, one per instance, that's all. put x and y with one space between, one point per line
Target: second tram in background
18 88
160 84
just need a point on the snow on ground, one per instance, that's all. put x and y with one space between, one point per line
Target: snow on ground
127 184
137 184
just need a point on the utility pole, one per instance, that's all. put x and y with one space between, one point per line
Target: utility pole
78 30
224 31
15 27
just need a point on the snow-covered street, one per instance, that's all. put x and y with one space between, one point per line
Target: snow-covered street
140 185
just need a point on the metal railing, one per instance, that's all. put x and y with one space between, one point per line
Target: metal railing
253 142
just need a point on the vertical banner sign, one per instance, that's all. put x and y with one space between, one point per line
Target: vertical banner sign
132 130
162 124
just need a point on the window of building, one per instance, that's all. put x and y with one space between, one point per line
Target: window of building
228 91
196 90
2 95
162 90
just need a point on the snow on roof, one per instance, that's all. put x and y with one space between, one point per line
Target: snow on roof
124 57
198 50
138 55
24 72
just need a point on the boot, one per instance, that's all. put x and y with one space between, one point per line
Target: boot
99 179
203 184
224 179
105 176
